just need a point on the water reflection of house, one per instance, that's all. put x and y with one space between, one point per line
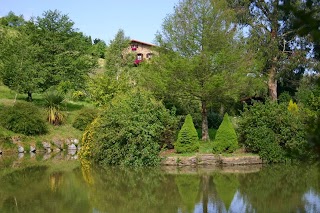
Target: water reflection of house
142 50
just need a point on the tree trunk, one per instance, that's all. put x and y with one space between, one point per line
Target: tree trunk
29 98
205 193
205 131
272 81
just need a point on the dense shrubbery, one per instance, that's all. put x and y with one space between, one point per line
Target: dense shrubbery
274 132
226 137
188 140
23 118
84 118
128 132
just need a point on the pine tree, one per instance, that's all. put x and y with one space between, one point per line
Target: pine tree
226 137
188 140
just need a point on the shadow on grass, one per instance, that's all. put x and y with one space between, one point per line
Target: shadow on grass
39 101
69 106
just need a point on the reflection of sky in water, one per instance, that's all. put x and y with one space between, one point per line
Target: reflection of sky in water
238 205
312 201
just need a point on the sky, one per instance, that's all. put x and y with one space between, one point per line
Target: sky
101 19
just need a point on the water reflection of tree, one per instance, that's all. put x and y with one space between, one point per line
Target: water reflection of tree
30 190
188 186
128 190
226 187
56 180
279 188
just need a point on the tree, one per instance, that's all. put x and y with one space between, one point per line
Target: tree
305 18
118 76
118 63
273 39
44 52
226 138
188 140
200 54
99 48
306 22
65 53
19 69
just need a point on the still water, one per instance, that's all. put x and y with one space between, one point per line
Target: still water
63 184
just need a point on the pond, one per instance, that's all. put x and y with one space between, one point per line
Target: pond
62 184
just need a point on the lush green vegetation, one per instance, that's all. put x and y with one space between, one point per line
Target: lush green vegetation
24 118
201 70
226 138
128 131
188 140
30 118
84 117
274 131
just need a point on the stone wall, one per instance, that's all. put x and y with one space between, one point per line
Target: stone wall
210 159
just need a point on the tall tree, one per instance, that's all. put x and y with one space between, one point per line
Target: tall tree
118 76
19 70
99 48
200 53
43 52
65 53
272 38
117 61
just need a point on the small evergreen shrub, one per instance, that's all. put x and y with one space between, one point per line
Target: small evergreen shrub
84 118
226 137
188 140
23 118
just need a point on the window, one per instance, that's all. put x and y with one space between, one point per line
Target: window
139 56
149 55
134 47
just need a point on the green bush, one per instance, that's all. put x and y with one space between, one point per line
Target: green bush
188 140
263 140
274 132
23 118
84 118
127 133
284 97
226 137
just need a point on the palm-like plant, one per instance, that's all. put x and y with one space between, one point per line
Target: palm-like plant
53 101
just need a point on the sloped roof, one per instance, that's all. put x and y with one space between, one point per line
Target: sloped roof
141 42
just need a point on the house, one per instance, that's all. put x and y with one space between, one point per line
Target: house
142 50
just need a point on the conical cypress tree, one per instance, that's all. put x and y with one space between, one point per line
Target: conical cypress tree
226 137
188 140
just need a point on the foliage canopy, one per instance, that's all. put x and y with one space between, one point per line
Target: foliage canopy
128 132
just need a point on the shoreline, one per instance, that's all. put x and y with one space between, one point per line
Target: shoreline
210 159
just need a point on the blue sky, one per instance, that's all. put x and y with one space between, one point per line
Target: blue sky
102 19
